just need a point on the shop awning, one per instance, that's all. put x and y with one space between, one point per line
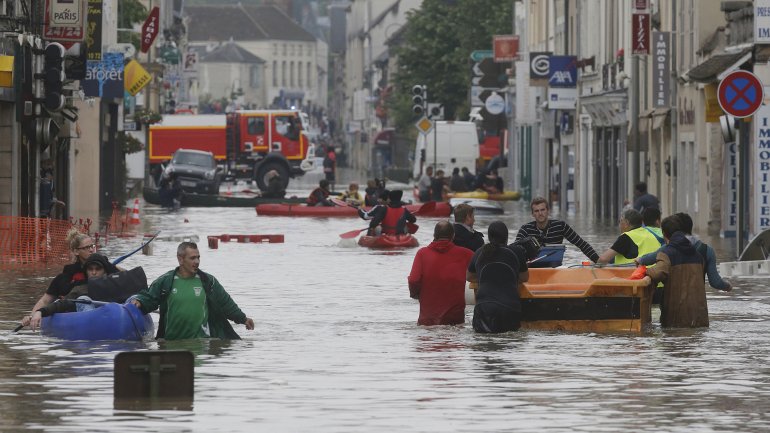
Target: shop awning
711 69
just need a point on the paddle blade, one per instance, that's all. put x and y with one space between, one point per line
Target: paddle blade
340 202
17 329
351 234
427 207
412 228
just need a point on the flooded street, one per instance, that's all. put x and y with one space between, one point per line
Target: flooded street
336 348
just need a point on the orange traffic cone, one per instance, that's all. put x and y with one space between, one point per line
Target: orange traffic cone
135 213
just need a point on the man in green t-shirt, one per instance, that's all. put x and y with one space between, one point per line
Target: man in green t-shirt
192 303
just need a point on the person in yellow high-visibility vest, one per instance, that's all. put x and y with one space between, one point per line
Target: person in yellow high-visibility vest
634 242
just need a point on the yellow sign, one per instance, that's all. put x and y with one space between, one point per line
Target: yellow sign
6 71
136 77
713 110
425 125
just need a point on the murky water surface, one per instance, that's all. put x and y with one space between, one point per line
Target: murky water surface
337 348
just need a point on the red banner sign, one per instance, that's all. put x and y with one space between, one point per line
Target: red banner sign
640 37
505 48
150 29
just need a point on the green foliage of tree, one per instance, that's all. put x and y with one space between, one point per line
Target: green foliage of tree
437 42
130 12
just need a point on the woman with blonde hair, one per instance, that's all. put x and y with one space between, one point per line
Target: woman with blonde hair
82 246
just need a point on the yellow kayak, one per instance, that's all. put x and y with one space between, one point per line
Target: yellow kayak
480 194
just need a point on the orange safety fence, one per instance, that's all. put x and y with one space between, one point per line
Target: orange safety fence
33 240
119 222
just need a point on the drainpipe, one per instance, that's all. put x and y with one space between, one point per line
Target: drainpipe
674 120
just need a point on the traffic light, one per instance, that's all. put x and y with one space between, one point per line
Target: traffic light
53 76
420 99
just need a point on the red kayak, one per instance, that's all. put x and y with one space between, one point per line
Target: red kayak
388 241
442 209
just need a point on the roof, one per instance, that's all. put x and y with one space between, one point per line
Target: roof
242 23
231 53
277 24
221 23
709 70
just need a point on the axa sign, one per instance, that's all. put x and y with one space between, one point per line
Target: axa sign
562 71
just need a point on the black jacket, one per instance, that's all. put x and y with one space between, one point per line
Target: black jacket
467 239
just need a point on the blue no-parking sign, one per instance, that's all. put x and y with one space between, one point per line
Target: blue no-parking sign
740 93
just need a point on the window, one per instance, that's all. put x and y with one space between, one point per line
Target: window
275 73
275 49
309 75
284 49
283 73
256 126
254 77
299 74
291 74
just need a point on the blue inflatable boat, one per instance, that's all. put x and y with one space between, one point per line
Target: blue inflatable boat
109 322
550 256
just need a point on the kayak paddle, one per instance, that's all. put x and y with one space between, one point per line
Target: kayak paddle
125 256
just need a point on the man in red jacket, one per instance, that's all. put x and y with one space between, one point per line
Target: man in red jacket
438 278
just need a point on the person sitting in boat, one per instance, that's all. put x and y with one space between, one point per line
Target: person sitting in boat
492 183
438 187
550 232
634 241
680 268
437 279
320 195
393 217
371 193
82 246
465 235
706 251
379 206
118 288
497 269
193 304
457 182
275 187
352 196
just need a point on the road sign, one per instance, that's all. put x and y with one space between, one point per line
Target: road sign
491 75
424 125
740 93
150 29
495 103
480 55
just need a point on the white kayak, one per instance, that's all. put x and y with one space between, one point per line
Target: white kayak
479 205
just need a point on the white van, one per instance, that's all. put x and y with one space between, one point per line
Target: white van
457 145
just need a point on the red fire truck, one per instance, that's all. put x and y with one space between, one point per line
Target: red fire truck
248 143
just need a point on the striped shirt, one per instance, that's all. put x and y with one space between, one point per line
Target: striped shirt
555 232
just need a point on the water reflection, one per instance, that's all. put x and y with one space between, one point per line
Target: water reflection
337 349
